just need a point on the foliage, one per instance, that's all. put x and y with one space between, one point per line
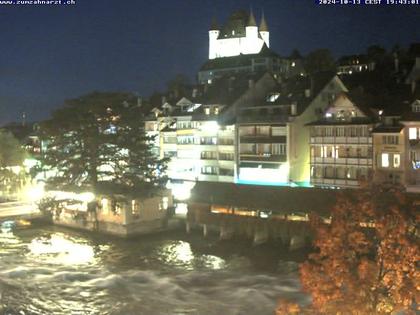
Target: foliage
11 155
360 269
319 60
100 138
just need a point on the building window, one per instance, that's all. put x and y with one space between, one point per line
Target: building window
216 110
390 139
278 149
416 108
207 110
396 160
385 160
412 133
209 170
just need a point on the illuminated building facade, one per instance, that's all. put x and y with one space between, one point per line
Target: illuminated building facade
341 144
240 35
355 64
389 151
240 46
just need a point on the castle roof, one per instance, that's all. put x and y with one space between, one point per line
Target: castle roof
251 20
214 25
263 25
235 25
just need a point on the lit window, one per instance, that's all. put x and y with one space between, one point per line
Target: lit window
412 133
216 110
396 160
293 64
385 160
207 111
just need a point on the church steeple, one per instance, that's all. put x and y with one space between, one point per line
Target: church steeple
263 24
251 19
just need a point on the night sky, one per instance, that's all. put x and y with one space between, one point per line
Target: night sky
49 54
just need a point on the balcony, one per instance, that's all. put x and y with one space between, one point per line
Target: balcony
341 140
334 182
262 139
248 156
342 160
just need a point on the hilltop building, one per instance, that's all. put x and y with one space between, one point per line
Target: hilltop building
240 46
240 35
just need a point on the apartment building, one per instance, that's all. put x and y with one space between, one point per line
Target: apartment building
341 144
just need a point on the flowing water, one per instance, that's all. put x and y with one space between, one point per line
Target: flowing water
51 270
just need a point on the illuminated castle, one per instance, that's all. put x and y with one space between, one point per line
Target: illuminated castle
240 35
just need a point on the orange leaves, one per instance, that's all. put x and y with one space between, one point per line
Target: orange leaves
367 258
287 308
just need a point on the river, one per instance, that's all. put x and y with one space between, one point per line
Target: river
51 270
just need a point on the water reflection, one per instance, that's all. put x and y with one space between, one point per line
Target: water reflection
57 271
179 253
57 249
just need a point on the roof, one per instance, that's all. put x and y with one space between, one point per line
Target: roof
214 26
273 198
235 25
293 90
388 128
263 24
227 89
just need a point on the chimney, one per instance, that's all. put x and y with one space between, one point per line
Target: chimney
163 100
194 93
251 83
413 86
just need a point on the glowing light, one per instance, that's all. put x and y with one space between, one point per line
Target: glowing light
209 126
181 209
35 193
63 195
87 197
29 163
181 191
60 250
278 175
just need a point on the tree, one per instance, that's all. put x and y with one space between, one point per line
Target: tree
178 85
319 60
100 139
366 259
11 162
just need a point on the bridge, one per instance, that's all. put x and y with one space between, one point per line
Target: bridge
19 210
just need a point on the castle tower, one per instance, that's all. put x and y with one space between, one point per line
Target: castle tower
251 31
264 32
213 35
